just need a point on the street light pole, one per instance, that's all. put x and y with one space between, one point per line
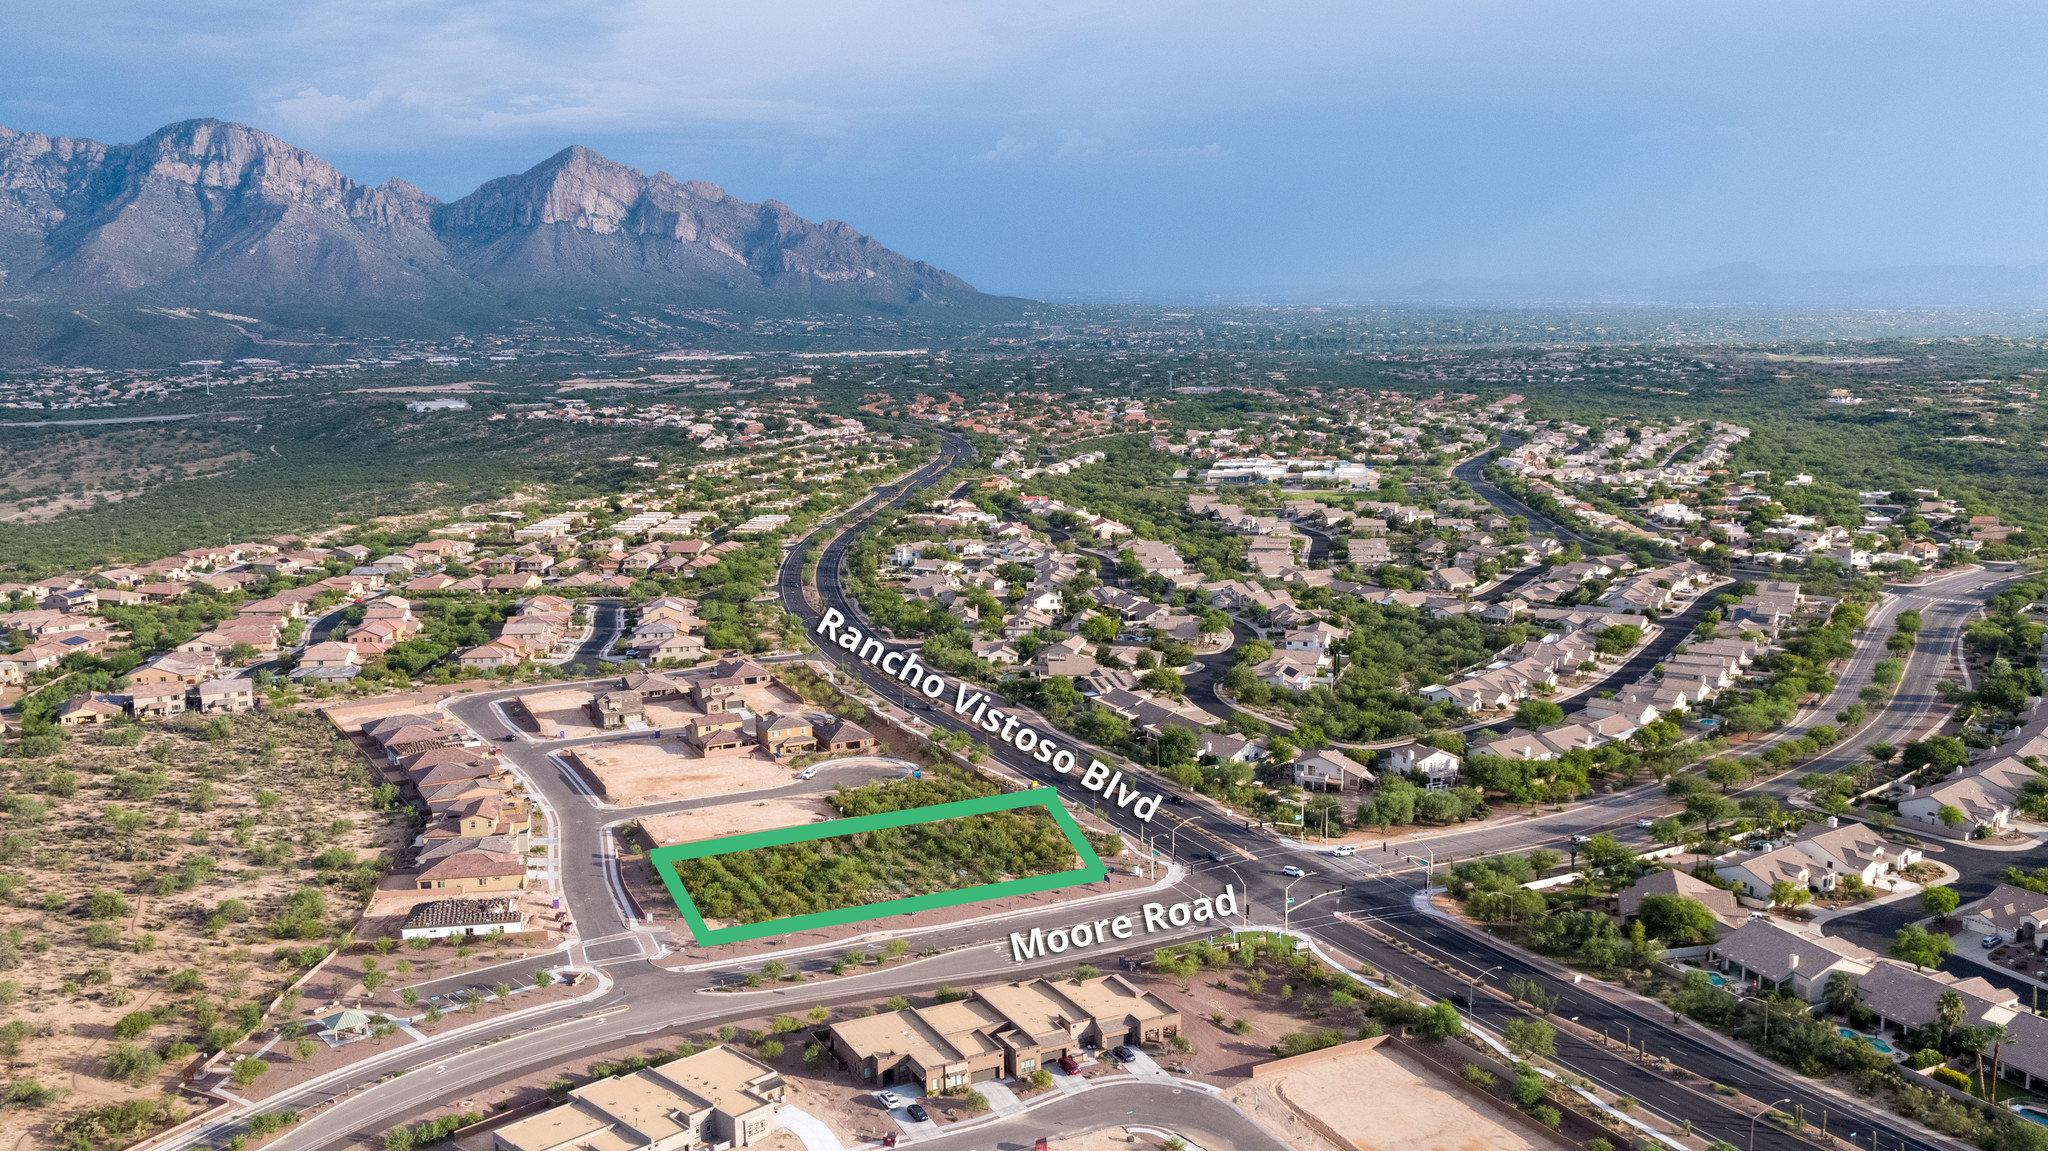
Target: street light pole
1287 898
1476 978
1754 1118
1767 1014
1173 836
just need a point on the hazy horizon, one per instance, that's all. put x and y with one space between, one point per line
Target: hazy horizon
1171 152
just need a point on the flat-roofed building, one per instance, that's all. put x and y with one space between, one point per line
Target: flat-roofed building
719 1096
1000 1032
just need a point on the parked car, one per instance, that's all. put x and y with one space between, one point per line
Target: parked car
917 1114
1990 941
1126 1054
1292 872
1646 821
1070 1065
1345 849
889 1100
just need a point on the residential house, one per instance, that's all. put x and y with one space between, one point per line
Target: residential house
2013 914
1331 770
1765 957
1007 1031
474 871
784 734
615 709
1670 881
720 1097
1441 768
226 695
1756 875
464 917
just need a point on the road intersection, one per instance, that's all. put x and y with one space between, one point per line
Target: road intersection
1374 901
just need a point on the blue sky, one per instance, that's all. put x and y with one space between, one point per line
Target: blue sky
1168 148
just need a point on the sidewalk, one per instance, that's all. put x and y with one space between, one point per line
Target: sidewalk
1175 873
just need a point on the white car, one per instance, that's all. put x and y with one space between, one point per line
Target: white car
889 1100
1582 839
1347 849
807 773
1292 872
1646 822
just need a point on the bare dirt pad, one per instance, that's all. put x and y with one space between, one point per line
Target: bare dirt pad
561 711
1371 1099
350 716
633 772
735 819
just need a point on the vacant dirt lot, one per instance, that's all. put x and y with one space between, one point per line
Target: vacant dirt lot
638 770
152 869
1371 1099
735 819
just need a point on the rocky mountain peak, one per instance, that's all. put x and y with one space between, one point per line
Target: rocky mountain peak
206 210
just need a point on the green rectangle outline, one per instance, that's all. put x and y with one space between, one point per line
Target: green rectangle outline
664 859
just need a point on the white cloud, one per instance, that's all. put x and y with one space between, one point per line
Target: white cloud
1194 152
1008 148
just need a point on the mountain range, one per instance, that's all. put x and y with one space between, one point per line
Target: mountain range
209 212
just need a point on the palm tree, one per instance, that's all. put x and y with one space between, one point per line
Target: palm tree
1843 993
1973 1041
1949 1011
1999 1034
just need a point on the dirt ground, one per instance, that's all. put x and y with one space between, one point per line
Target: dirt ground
562 709
562 712
634 772
734 819
351 715
1373 1099
237 814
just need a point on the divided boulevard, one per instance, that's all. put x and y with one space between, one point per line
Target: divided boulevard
1372 898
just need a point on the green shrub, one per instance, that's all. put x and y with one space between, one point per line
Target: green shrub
1950 1076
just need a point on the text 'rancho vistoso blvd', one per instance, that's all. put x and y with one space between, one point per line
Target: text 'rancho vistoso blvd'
974 707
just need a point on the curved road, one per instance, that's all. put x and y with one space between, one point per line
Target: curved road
644 999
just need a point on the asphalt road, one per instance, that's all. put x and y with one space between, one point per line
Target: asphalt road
644 999
1204 1120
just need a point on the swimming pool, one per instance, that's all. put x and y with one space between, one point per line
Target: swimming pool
1716 980
2032 1115
1879 1044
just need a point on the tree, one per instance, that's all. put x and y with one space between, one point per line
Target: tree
1708 810
1100 628
1163 681
1843 993
1951 816
1538 713
1726 773
1921 948
1530 1038
1948 1011
1440 1020
1944 753
1678 920
1608 856
246 1072
1786 893
1999 1034
1939 901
